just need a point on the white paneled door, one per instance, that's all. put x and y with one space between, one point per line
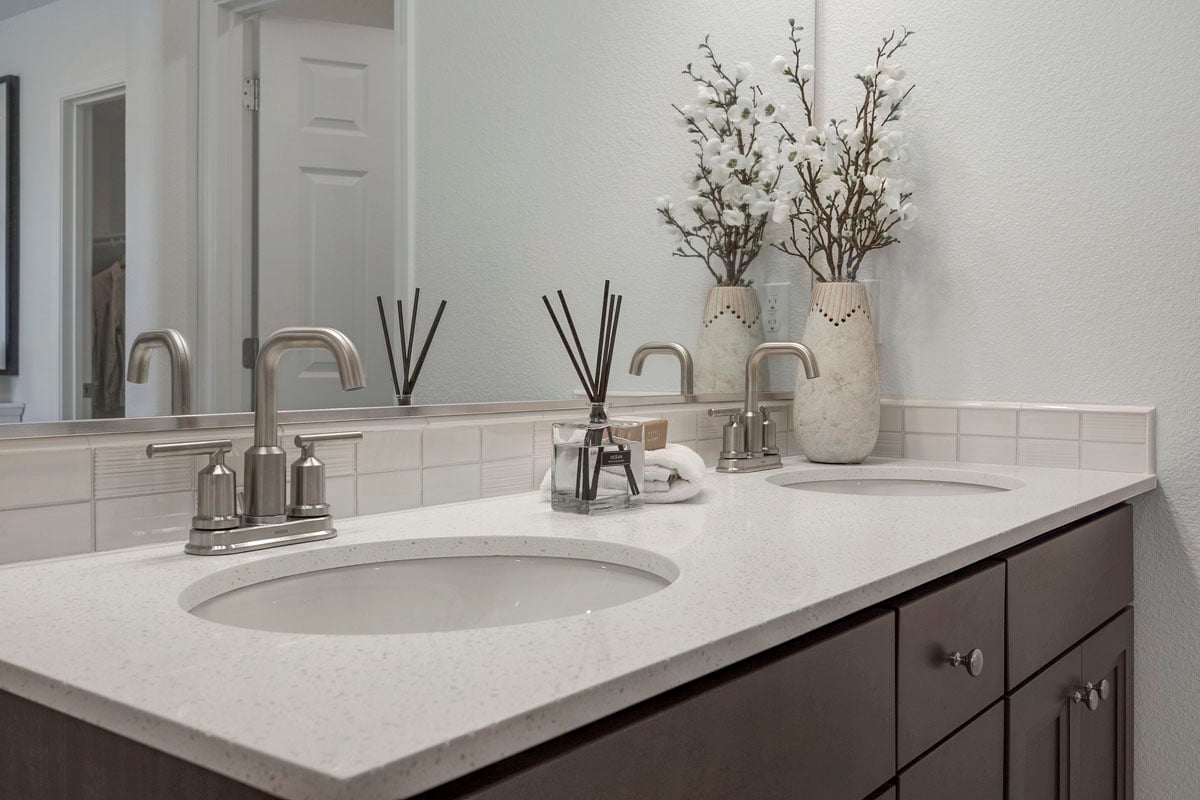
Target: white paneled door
326 170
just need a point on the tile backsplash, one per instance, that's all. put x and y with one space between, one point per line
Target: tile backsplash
68 495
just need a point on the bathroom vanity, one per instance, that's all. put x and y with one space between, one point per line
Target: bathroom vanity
806 644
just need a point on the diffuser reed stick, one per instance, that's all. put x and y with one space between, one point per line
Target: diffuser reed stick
404 379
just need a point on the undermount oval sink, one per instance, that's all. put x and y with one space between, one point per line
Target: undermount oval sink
889 481
424 586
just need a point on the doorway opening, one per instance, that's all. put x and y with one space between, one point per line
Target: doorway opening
94 268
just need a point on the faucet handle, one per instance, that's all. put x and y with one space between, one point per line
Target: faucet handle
733 434
216 485
725 412
308 474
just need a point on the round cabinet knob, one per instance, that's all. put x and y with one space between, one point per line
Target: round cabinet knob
1090 694
972 661
1105 689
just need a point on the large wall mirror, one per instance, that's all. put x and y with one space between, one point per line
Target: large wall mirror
230 167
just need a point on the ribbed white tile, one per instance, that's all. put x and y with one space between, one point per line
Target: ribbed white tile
389 491
891 415
709 450
1048 453
1102 427
681 425
389 451
987 421
36 477
507 477
145 519
29 533
452 444
124 471
924 419
890 444
1035 424
930 446
710 427
988 449
507 440
449 484
342 495
1114 456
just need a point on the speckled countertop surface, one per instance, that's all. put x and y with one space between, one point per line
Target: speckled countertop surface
105 638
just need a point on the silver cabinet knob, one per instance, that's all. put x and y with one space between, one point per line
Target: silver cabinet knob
1090 694
972 661
216 485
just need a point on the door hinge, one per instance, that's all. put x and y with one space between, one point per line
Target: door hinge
250 94
249 352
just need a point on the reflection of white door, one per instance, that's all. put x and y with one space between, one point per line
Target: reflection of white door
326 170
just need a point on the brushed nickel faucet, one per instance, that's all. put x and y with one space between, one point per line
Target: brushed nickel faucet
178 353
749 442
686 367
267 519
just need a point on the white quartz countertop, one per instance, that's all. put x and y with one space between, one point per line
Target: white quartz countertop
105 638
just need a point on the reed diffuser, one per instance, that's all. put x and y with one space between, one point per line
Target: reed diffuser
594 470
404 379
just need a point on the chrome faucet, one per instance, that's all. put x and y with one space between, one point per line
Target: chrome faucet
686 367
180 356
749 441
267 519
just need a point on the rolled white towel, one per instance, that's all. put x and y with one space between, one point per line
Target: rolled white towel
673 474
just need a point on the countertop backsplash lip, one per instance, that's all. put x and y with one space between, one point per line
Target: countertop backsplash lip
398 465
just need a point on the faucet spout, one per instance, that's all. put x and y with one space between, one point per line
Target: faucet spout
686 367
266 370
180 356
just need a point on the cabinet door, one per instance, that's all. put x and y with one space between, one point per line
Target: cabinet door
970 764
1044 751
1107 732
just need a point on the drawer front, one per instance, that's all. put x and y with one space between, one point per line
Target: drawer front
1063 587
970 764
817 719
960 614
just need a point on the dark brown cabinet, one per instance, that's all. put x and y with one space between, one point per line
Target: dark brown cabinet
1106 734
970 764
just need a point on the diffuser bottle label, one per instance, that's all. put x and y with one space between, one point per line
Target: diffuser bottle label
616 458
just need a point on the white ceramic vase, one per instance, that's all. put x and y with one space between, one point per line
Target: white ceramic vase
731 329
837 414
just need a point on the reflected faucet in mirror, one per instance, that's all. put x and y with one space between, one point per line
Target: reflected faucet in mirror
180 357
686 366
749 437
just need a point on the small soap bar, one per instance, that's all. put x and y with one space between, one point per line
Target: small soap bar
652 433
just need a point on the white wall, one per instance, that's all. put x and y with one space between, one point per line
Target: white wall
543 132
69 47
1055 259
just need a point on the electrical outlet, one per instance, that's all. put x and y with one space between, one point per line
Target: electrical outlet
775 299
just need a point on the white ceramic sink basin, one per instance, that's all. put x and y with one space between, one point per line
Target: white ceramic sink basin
405 592
889 481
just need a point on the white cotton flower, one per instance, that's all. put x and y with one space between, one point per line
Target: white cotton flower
771 111
870 72
872 183
892 88
807 72
705 95
741 113
695 202
663 203
893 71
789 153
744 70
723 86
811 134
762 207
908 216
781 211
692 178
732 216
712 147
716 117
779 65
891 194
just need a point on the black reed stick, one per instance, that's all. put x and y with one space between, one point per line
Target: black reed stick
387 340
410 372
425 348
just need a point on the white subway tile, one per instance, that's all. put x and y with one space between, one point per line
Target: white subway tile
987 421
540 467
29 533
988 449
449 484
890 444
389 451
145 519
451 444
341 493
1048 453
507 477
125 470
1114 456
1103 427
381 492
37 477
891 416
709 450
924 419
930 447
507 440
1037 424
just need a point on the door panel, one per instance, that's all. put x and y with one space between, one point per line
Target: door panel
970 764
1107 732
1043 733
326 201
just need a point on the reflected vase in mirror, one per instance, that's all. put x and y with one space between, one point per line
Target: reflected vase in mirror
731 329
837 417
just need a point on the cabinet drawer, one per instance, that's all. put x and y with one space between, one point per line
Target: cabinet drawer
959 614
970 764
1063 587
814 718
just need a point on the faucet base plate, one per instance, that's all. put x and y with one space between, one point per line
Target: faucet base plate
749 464
259 537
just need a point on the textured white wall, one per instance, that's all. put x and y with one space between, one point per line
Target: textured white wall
543 132
1056 259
